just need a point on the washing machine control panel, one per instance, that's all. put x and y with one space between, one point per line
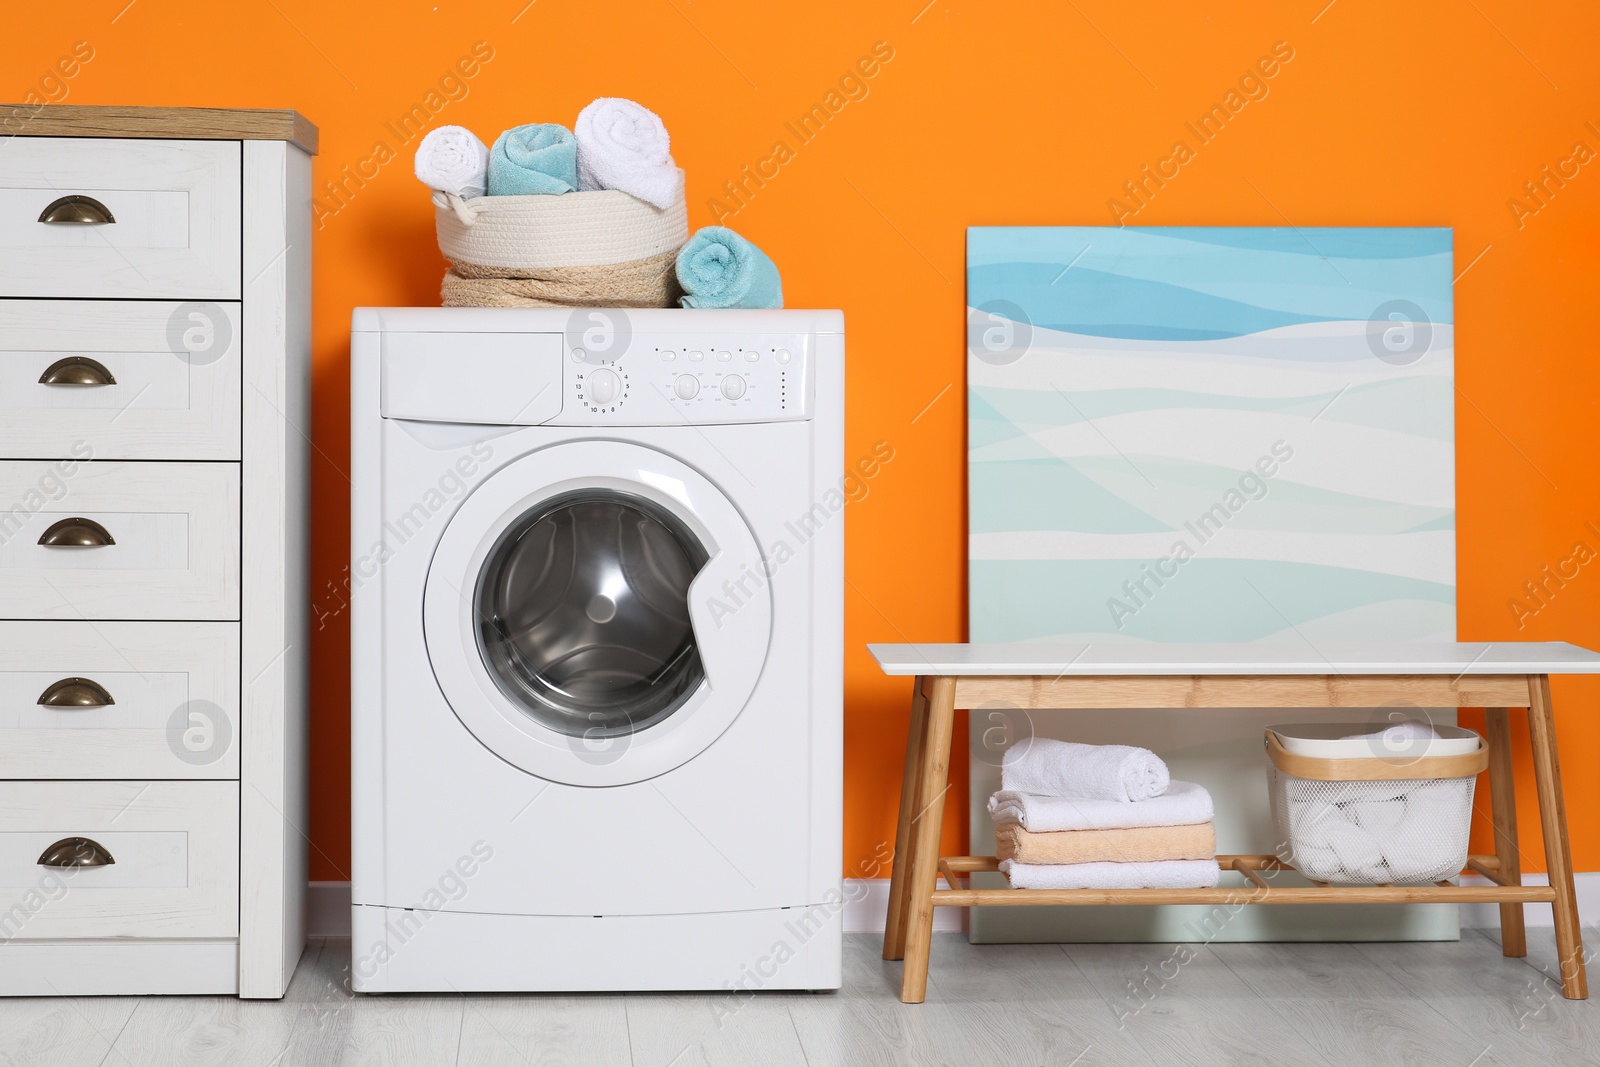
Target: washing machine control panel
670 379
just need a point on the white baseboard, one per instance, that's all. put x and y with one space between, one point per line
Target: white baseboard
1487 916
867 906
867 902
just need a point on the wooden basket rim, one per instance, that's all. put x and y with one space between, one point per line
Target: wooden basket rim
1376 768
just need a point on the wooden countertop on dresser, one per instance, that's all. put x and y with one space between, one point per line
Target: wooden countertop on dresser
177 123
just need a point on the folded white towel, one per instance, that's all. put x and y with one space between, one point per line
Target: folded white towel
451 159
1162 874
1046 767
1183 804
623 145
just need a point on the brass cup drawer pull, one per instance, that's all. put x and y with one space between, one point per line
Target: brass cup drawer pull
77 209
71 693
77 532
76 852
77 370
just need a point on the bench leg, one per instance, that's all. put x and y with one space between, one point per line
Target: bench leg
1558 854
1502 794
894 929
927 823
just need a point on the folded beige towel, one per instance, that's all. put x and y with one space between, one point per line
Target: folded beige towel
1144 844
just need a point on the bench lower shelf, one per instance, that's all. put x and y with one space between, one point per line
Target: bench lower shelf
1259 891
914 890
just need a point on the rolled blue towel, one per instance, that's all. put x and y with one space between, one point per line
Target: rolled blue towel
539 158
720 269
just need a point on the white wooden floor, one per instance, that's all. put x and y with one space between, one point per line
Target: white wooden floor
1457 1004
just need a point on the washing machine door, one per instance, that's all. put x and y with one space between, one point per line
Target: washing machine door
597 613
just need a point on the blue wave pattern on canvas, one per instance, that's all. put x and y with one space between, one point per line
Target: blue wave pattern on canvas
1191 284
1292 596
1205 437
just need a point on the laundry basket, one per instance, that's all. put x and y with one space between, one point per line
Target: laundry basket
601 248
1348 811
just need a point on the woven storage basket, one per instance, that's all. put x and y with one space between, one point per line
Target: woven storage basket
1373 820
595 249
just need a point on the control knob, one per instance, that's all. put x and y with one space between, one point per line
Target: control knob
604 386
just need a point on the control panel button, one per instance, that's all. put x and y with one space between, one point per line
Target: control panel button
579 355
668 355
604 386
733 387
687 386
783 355
695 355
751 355
723 355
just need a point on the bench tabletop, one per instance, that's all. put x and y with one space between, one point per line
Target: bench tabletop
1324 658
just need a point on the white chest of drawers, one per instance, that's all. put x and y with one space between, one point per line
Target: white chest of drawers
155 270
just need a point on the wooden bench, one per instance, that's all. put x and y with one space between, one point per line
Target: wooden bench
1499 677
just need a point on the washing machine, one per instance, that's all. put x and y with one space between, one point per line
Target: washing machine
596 649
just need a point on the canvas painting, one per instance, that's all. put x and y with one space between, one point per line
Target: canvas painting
1206 434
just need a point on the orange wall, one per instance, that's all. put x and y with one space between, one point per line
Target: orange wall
1430 113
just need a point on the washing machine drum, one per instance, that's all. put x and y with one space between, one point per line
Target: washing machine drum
584 620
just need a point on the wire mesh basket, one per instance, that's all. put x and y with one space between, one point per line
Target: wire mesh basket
1373 819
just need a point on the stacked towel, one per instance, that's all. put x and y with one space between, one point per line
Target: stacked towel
720 269
538 158
1074 816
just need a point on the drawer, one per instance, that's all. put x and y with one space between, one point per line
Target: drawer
172 847
130 540
173 206
126 379
119 700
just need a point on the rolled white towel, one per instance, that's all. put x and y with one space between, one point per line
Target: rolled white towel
1160 874
1320 830
1317 864
1183 804
1315 824
1375 872
1406 739
623 145
451 159
1358 850
1429 838
1404 730
1305 791
1047 767
1378 816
